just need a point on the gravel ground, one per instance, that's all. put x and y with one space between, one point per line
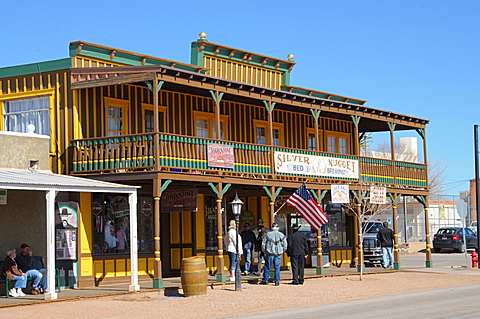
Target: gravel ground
224 301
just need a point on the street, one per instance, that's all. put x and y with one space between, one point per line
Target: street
461 302
443 259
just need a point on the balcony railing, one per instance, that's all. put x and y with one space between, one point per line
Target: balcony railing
182 154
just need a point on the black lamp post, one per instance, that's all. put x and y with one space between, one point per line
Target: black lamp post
237 210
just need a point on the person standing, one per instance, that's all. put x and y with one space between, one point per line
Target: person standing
232 237
248 240
386 238
25 262
274 244
260 232
297 250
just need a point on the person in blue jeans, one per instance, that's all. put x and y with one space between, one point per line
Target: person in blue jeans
11 271
386 238
274 244
25 262
248 240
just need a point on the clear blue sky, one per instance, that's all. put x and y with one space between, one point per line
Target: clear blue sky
419 58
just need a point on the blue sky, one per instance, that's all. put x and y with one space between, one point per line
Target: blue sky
419 58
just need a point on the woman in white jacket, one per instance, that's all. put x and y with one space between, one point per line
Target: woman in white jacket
231 240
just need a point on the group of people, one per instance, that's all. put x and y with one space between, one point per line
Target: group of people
19 268
270 246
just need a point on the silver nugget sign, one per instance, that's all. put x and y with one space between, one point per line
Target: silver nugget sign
304 164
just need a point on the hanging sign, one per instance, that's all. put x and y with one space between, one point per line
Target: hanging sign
179 201
220 155
378 195
340 194
304 164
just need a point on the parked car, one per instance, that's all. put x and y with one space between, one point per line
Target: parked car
372 251
452 238
473 226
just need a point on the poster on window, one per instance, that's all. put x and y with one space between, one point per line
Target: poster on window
66 244
378 195
66 215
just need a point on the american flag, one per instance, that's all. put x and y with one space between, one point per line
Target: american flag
306 206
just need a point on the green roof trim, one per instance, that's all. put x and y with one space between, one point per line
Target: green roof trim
34 68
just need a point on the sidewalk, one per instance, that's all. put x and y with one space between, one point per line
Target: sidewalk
171 285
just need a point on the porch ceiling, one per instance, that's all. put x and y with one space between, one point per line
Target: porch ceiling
373 120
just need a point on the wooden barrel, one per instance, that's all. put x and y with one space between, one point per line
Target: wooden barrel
194 276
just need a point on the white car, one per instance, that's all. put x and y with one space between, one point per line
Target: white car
473 226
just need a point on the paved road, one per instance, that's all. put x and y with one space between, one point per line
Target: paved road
439 260
461 302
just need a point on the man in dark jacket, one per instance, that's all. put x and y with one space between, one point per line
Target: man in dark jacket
248 240
297 250
386 239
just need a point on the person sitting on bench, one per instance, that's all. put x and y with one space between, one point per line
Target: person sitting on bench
12 272
25 261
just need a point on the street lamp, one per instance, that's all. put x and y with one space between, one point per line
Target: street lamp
237 210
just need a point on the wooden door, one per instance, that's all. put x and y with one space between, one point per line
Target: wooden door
177 240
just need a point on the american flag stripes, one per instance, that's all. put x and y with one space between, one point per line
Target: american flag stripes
306 206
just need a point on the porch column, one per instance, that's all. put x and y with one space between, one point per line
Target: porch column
272 206
50 200
428 242
392 139
157 264
396 252
221 275
356 145
361 264
320 270
132 200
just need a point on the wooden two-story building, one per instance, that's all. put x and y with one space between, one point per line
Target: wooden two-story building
193 135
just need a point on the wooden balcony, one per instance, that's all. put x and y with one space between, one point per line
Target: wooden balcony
188 155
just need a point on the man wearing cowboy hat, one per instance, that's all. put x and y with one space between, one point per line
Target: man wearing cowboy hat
64 213
297 250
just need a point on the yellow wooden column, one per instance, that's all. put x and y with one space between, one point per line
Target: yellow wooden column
396 252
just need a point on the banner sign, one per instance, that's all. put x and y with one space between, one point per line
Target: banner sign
179 201
315 165
220 155
340 194
378 195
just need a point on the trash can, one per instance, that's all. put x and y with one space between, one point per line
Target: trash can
194 276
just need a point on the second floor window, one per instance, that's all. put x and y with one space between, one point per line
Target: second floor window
18 114
206 125
262 134
117 113
338 143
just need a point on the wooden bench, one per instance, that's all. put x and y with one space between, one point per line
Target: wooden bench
38 264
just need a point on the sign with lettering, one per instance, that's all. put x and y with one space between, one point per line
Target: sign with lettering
340 193
179 200
378 195
293 163
220 155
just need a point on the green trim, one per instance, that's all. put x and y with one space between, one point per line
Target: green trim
165 185
320 270
429 264
157 283
215 190
396 266
225 189
278 191
324 193
268 192
391 126
34 68
269 106
421 132
314 194
315 113
356 196
286 78
356 119
221 277
150 85
196 58
220 95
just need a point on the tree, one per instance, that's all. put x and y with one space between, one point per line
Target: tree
364 210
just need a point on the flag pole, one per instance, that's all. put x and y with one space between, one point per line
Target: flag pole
275 214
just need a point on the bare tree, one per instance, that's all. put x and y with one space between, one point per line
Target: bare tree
365 211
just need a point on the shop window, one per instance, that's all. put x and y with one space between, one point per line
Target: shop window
117 116
111 224
211 224
262 134
148 118
338 143
206 125
18 114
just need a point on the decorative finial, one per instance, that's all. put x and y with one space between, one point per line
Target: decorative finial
290 57
202 35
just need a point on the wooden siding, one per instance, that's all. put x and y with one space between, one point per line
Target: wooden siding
241 72
86 62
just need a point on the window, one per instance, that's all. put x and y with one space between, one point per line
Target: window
338 142
18 114
206 125
111 224
147 111
261 133
117 116
311 140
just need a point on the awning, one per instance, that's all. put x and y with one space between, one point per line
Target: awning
36 180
